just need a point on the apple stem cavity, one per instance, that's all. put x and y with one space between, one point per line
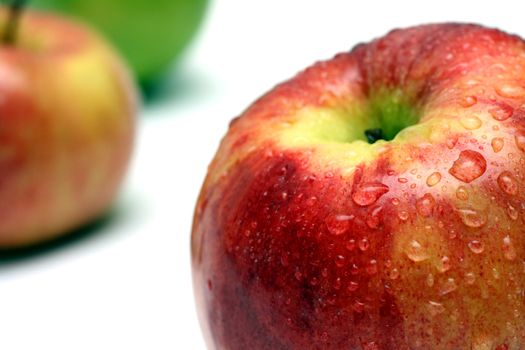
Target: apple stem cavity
11 29
373 135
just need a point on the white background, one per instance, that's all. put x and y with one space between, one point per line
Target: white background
127 285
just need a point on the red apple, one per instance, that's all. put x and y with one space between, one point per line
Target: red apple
374 201
67 114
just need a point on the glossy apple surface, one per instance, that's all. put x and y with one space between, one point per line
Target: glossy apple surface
374 201
150 34
67 115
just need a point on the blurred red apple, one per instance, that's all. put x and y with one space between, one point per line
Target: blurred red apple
67 115
374 201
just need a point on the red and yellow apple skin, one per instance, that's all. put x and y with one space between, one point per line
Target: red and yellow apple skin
67 115
306 236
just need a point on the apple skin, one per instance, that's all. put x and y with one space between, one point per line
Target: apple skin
67 117
307 237
150 35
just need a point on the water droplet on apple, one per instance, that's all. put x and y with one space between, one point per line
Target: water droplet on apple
433 179
373 218
462 193
358 306
476 246
338 224
469 166
520 141
430 280
471 122
371 269
508 90
364 244
448 286
470 278
353 286
472 218
416 252
339 260
451 142
402 180
434 308
501 112
472 82
425 205
311 201
508 249
350 245
395 201
393 274
444 264
325 337
337 283
512 212
497 144
368 193
507 183
469 101
402 215
495 273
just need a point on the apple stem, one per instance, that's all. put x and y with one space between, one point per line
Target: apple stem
15 10
372 135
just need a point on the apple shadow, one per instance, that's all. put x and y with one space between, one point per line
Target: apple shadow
77 236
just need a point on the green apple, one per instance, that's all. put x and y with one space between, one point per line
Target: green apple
150 34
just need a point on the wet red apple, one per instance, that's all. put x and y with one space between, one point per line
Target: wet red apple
374 201
67 111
